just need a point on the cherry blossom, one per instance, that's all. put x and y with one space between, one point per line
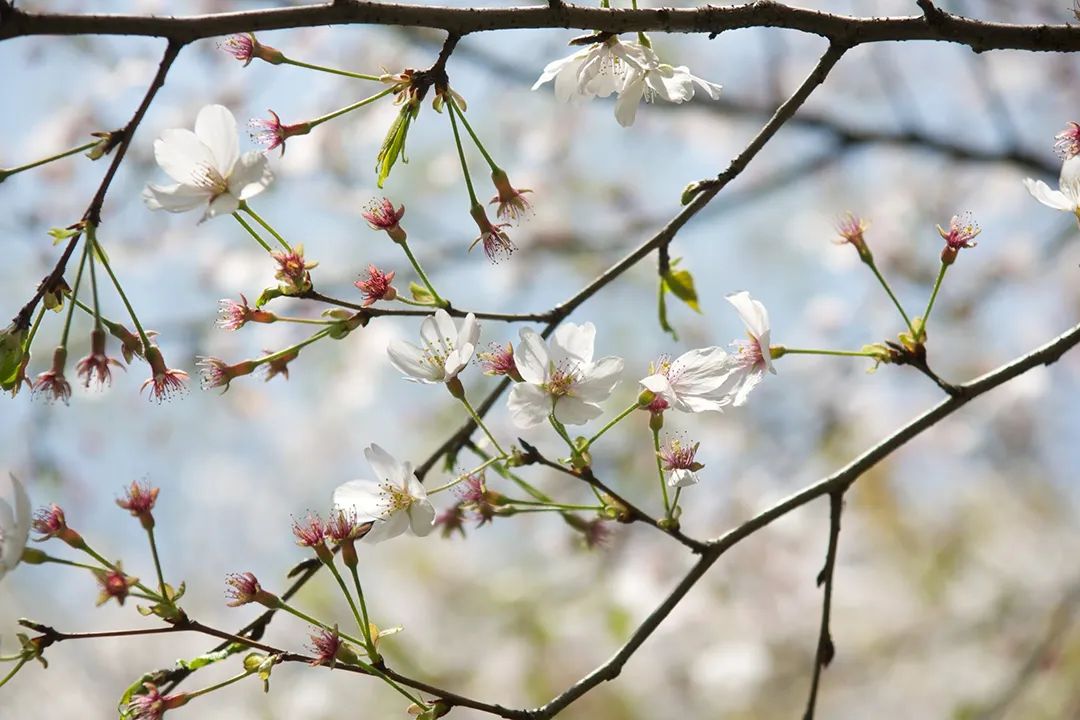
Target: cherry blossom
1067 199
15 523
446 349
395 503
748 364
650 79
697 381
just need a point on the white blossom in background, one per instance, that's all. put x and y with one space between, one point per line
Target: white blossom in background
207 167
561 377
751 359
395 503
446 349
1067 199
632 70
14 527
696 381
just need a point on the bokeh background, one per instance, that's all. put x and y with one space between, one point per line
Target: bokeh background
957 579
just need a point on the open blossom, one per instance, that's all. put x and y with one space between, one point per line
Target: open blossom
395 503
216 373
15 522
496 243
49 523
1067 198
164 381
244 588
328 648
561 377
499 360
207 167
752 357
246 48
377 286
139 500
97 363
344 525
381 215
234 315
961 234
697 381
595 71
678 460
650 79
852 229
1067 142
446 349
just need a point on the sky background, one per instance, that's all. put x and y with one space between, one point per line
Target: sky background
956 557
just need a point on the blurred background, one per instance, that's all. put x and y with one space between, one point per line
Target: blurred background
957 581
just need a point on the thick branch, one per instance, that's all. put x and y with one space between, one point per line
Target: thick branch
847 30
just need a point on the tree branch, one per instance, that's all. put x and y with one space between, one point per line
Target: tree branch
825 648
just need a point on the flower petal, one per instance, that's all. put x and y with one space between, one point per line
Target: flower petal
626 105
216 128
365 497
250 176
413 361
174 198
470 331
529 405
599 380
385 466
1051 198
22 518
573 342
531 357
421 518
391 526
752 312
183 156
574 411
223 204
682 477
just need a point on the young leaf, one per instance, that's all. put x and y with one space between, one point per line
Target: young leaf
681 285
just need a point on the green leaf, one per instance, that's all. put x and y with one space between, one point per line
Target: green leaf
60 234
267 295
393 146
131 691
210 658
420 293
681 285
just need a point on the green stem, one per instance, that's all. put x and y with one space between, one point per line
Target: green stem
332 71
839 353
420 272
34 327
464 476
303 321
550 505
252 232
660 471
91 234
512 476
479 145
896 302
561 429
675 502
416 303
933 297
464 165
157 562
612 424
361 622
372 651
110 566
348 108
75 292
123 296
308 619
11 658
595 508
70 563
272 231
224 683
480 423
5 173
17 668
292 348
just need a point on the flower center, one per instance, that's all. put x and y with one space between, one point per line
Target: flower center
750 353
394 498
563 378
207 177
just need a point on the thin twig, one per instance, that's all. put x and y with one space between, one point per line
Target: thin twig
825 647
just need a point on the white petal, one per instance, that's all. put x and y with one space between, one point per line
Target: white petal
531 357
699 371
250 176
8 534
22 518
744 382
528 404
216 128
421 518
412 361
223 204
658 384
766 352
710 88
470 331
682 477
574 341
712 402
174 198
183 156
389 527
445 330
752 312
1051 198
629 99
385 466
365 497
599 380
572 411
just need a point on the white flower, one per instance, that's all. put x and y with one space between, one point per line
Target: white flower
698 381
14 527
679 460
752 358
649 78
1068 198
446 351
207 167
396 503
561 377
596 71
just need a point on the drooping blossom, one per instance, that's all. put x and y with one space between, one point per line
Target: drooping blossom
649 80
244 588
234 315
309 532
15 521
271 133
115 585
594 71
473 494
49 522
152 705
96 364
597 533
512 203
327 648
499 360
751 357
381 215
445 352
495 241
1067 142
279 365
451 520
1067 198
561 377
52 384
961 234
678 459
207 167
164 381
697 381
377 286
396 502
216 373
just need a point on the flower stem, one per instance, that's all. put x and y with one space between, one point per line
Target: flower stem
17 668
558 508
885 284
308 619
479 145
157 563
5 173
840 353
332 71
660 471
91 234
292 348
349 108
110 566
123 296
512 476
480 423
361 622
551 505
613 423
303 321
272 231
415 302
464 476
561 429
423 276
372 651
218 686
75 292
461 156
69 563
252 232
933 297
34 327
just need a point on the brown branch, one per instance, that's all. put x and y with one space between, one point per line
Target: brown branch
825 648
847 30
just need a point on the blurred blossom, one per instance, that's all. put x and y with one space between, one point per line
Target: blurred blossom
1067 198
15 522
